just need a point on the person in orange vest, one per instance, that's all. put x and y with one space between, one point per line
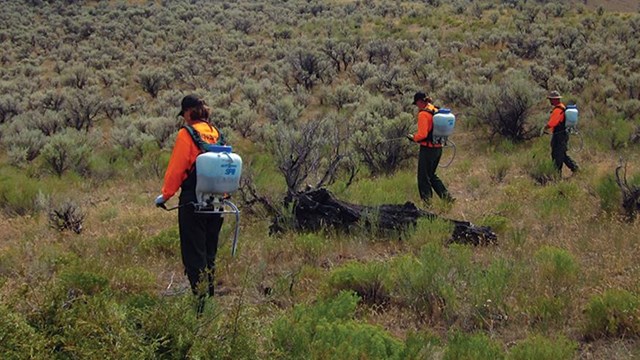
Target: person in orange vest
560 137
430 153
198 232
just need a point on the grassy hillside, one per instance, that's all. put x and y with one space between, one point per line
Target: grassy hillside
88 95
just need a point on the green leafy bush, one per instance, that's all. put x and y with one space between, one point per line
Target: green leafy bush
19 339
542 169
499 168
472 346
18 193
538 347
423 284
327 330
85 282
555 281
609 193
365 279
489 290
166 243
615 313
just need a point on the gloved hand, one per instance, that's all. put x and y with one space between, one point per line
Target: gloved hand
410 137
160 202
543 130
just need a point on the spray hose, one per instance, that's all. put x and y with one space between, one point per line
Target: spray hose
570 131
449 144
204 208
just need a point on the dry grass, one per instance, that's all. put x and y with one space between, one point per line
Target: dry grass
293 271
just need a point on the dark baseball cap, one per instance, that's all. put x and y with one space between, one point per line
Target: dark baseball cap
188 102
419 96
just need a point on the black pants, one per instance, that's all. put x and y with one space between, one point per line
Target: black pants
559 155
427 179
199 244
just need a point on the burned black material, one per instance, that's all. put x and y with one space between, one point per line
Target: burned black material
317 209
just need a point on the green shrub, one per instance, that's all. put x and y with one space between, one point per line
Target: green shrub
558 269
380 141
555 200
423 284
96 327
365 279
495 222
507 106
166 243
18 193
609 193
436 231
555 280
613 134
68 150
615 313
473 346
83 282
538 347
311 245
542 170
499 167
326 330
489 292
19 339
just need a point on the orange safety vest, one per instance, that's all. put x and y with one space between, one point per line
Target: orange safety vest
184 156
424 136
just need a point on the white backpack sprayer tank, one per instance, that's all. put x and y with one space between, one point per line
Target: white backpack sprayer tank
218 173
443 123
571 117
571 124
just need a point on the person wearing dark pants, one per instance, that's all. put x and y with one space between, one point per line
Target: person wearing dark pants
198 232
430 152
428 160
199 245
560 137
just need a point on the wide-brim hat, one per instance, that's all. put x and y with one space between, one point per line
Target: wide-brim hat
554 95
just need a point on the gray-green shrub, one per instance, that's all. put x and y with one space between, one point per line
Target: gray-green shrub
68 150
506 106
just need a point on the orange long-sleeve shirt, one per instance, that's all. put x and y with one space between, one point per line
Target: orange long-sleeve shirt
184 156
425 125
557 116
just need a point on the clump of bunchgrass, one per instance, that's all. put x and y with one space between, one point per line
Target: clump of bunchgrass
543 348
615 313
365 279
472 346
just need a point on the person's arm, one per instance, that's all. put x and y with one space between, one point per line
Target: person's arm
179 164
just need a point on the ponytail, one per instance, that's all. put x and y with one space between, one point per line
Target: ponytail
201 112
